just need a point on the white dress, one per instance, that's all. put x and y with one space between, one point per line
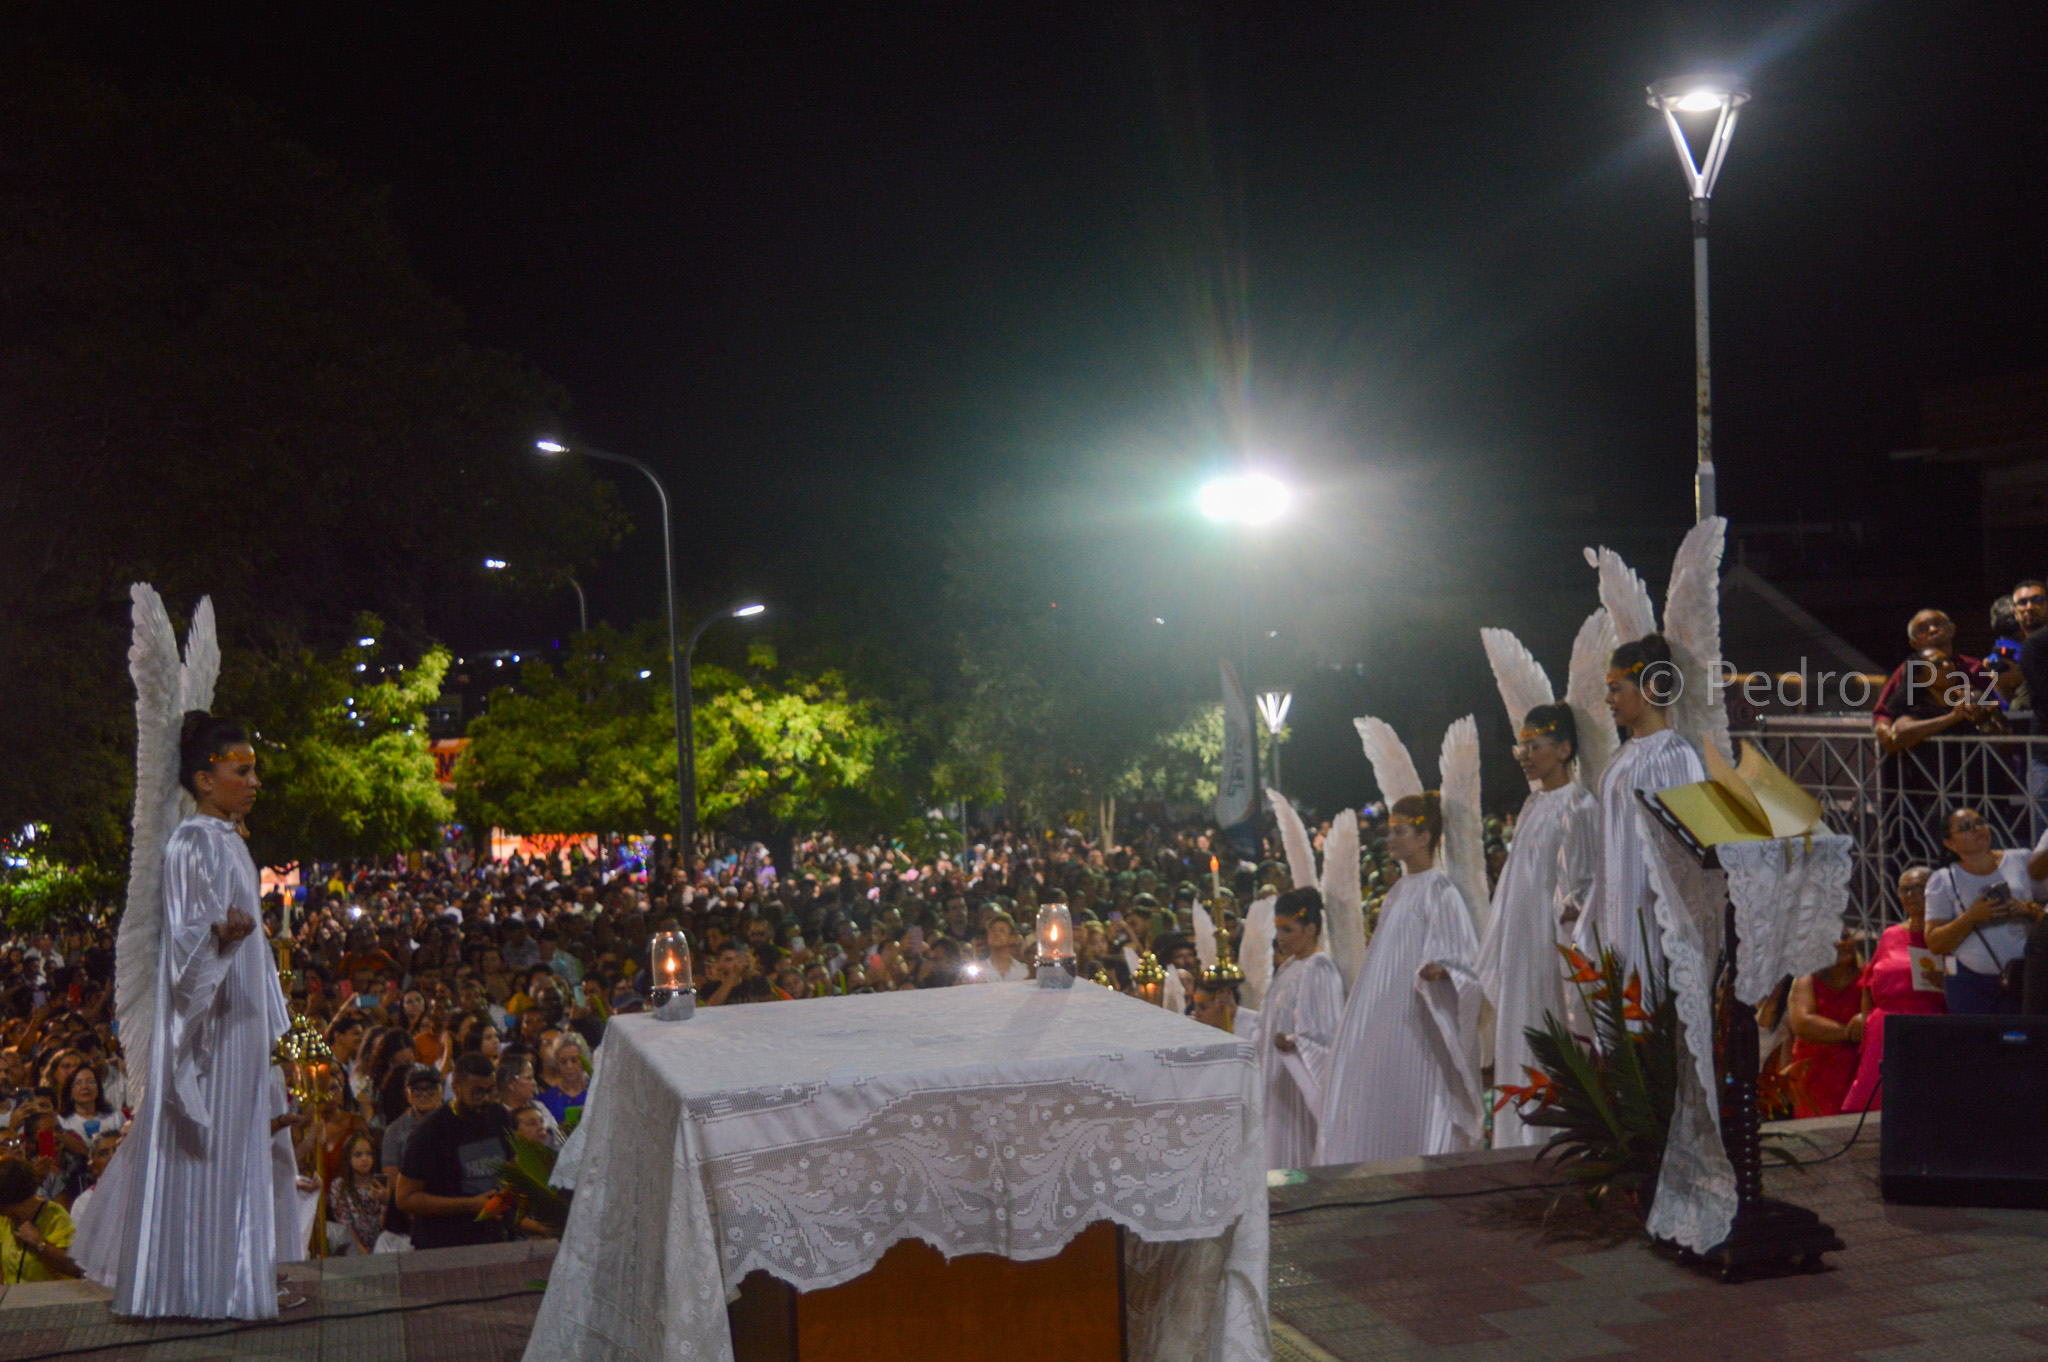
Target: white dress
1520 970
1404 1074
1305 1001
188 1218
1620 896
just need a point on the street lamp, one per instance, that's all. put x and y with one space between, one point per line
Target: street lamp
1273 707
1251 499
686 794
1723 97
689 729
582 605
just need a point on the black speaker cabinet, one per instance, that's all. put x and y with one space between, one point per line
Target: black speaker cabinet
1965 1111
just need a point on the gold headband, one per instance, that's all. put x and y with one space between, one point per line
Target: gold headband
213 757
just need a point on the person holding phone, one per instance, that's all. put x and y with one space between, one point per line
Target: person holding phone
35 1232
1979 910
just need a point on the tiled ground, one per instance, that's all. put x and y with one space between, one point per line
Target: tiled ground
357 1310
1527 1276
1510 1277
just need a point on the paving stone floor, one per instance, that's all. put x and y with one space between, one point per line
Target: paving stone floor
1514 1276
1528 1276
357 1310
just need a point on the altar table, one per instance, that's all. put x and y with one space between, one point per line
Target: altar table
806 1138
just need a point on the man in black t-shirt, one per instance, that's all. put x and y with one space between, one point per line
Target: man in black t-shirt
451 1163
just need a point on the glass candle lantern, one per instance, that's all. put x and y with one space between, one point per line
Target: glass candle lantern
1150 980
1055 947
672 990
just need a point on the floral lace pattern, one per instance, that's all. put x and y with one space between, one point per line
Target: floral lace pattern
1020 1136
1789 899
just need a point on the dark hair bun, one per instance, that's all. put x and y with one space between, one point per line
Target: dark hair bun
201 737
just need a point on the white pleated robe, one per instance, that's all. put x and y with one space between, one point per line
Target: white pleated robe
1520 969
1305 1001
1618 904
188 1219
1404 1073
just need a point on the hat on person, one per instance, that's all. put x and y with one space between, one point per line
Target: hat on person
421 1077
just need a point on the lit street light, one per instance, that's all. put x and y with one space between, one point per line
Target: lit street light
582 605
1273 707
686 794
1723 97
689 730
1250 499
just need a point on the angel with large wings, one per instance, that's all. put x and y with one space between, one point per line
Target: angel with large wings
1664 688
1404 1073
1305 999
1549 870
191 1216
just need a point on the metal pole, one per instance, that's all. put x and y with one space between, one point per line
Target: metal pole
1703 368
1244 686
686 804
582 606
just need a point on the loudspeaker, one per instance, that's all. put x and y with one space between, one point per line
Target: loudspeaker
1965 1111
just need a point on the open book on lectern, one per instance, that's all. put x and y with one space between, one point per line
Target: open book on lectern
1752 801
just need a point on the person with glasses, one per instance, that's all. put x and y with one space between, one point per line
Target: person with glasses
1980 908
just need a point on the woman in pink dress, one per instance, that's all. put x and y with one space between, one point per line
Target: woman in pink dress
1891 985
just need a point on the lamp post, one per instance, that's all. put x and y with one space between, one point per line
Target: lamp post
686 803
688 740
582 605
1723 97
1250 499
1273 707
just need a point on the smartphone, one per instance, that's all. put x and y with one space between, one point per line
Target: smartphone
1999 893
914 939
46 1144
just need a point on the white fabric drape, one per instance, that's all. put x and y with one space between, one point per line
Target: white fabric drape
1620 893
1520 970
1306 1002
187 1221
806 1138
1404 1071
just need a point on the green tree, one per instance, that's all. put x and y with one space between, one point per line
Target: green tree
589 746
1178 765
341 742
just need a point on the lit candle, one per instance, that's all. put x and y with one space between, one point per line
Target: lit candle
1055 946
668 962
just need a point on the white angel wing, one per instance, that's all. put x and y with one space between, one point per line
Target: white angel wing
1626 598
1205 938
138 945
1392 768
1586 692
1464 839
1132 960
1344 897
1523 682
1301 857
1174 997
1255 953
1692 623
202 661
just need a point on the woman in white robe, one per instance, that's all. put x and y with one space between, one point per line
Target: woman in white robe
188 1217
1641 689
1298 1026
1548 873
1404 1074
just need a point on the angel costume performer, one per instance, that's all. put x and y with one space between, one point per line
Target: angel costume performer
1404 1073
1617 905
1550 866
188 1219
1306 1001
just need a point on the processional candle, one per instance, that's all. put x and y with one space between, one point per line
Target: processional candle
1150 980
673 992
1055 947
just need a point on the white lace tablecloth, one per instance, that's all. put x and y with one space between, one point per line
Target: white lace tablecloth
806 1138
1789 897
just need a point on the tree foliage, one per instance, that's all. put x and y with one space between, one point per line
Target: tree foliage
588 745
36 889
341 742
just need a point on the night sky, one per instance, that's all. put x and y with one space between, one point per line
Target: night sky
838 269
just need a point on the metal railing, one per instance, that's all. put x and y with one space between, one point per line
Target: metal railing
1891 804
